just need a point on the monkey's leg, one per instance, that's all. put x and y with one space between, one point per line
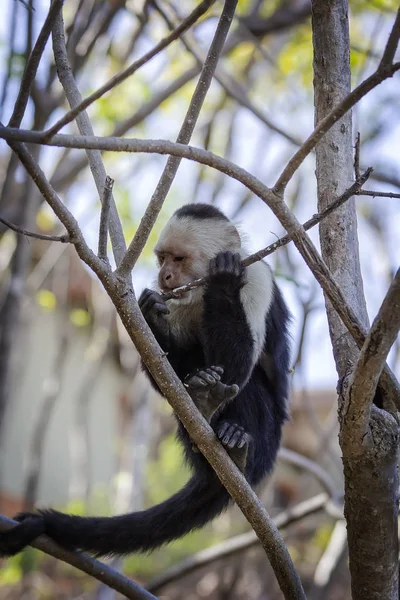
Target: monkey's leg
208 392
235 440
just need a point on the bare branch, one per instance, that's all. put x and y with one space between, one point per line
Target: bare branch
377 194
149 218
32 65
64 239
200 10
392 43
94 157
326 123
367 371
357 157
104 218
237 544
91 566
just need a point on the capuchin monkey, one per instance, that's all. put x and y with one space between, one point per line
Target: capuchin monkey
228 342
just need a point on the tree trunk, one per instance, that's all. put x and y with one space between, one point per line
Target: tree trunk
370 469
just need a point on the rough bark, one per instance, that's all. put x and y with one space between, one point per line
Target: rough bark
370 464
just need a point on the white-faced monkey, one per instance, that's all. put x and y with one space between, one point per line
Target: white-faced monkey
228 342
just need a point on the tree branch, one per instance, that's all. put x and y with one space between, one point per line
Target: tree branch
153 209
64 239
367 371
72 93
91 566
392 43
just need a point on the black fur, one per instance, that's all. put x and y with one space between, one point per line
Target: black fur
249 425
200 211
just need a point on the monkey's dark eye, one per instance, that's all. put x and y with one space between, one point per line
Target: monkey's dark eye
179 258
161 259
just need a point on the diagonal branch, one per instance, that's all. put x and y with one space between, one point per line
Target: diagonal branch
67 80
368 369
153 209
104 218
392 43
200 10
32 65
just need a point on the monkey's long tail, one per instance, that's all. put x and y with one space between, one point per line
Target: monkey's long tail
197 503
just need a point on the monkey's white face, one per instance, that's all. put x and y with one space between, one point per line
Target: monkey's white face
185 248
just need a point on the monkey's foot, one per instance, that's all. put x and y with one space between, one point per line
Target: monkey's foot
236 441
208 392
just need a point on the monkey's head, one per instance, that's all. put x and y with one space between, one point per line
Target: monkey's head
194 234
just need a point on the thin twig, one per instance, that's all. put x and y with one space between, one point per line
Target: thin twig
194 16
91 566
64 239
153 209
104 218
392 43
377 194
357 157
32 65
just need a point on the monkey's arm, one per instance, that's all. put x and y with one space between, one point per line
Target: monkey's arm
228 339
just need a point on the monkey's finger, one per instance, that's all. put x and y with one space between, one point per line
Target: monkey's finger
218 369
222 429
244 440
154 303
231 391
214 374
208 376
236 438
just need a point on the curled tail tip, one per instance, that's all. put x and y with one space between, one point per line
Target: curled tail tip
14 540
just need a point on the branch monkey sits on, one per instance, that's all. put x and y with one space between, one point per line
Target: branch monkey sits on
228 342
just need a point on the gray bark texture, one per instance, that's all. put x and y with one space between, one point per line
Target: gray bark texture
370 463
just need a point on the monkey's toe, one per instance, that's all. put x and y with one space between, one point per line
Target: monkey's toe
232 435
204 378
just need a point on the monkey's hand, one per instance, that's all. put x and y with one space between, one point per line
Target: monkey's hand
30 526
155 311
226 270
207 390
